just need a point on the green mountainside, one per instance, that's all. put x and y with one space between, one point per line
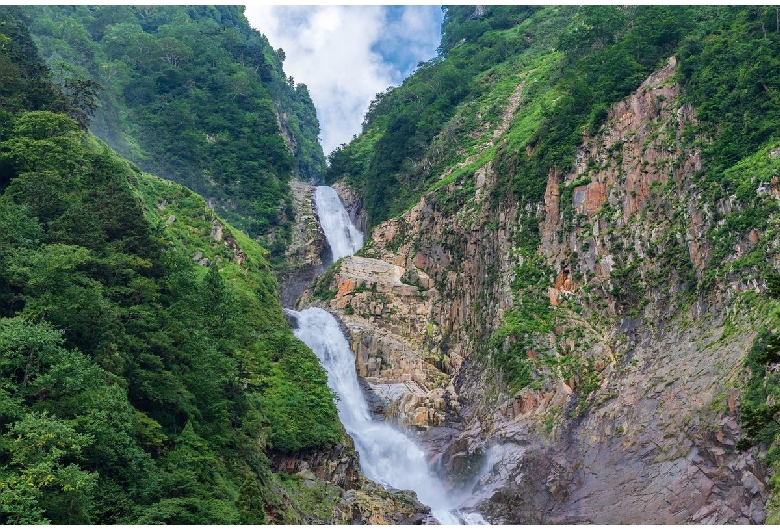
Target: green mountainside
430 143
602 293
194 95
576 63
147 368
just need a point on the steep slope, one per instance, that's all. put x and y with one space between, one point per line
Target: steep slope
565 310
195 95
148 373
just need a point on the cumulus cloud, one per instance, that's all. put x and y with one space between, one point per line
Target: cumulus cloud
347 54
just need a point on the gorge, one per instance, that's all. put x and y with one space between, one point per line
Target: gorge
386 455
542 281
619 408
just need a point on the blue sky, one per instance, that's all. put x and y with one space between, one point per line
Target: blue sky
347 54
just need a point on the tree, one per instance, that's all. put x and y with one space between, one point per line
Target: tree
38 485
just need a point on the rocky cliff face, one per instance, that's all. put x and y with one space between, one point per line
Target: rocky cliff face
342 495
640 425
303 256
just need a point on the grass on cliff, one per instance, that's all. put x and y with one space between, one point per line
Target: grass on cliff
312 502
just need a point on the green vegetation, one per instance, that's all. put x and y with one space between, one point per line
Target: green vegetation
312 500
524 326
604 54
138 384
192 94
760 398
434 132
577 62
731 73
322 288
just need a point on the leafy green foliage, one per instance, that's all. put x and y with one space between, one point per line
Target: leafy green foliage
530 320
192 94
291 392
323 289
731 74
137 384
408 121
24 81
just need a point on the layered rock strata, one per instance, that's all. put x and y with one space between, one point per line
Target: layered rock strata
650 438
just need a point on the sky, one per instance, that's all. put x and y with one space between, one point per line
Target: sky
345 55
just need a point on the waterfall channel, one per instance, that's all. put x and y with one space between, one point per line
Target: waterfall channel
344 239
387 456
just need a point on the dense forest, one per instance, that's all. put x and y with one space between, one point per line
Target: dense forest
140 385
192 94
148 373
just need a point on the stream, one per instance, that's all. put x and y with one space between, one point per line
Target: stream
386 455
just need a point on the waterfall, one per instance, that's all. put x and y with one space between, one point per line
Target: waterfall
344 239
387 456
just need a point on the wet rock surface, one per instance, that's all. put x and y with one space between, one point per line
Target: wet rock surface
653 441
304 255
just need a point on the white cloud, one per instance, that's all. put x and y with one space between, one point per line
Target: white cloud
347 54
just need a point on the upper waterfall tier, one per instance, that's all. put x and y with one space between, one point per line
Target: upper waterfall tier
344 239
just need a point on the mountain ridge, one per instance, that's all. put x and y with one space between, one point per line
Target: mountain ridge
196 95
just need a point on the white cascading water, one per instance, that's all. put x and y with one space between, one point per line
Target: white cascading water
386 455
344 239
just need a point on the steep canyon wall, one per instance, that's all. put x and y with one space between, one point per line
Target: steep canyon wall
631 414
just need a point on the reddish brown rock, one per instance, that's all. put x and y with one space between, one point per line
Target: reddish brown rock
564 282
634 440
593 196
346 285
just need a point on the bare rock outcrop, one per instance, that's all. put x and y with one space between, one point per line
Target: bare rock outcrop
388 323
337 465
644 430
359 500
303 257
373 504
